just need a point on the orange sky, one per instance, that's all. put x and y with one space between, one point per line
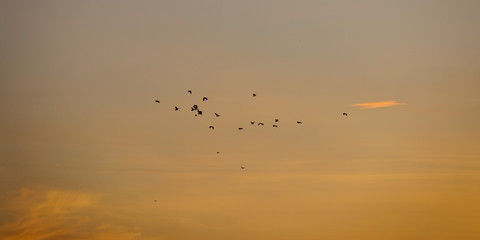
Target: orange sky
85 150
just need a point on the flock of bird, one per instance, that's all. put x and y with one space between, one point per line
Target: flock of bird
199 112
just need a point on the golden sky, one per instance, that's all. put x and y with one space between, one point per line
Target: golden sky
85 150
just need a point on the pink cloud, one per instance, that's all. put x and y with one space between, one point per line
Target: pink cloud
378 104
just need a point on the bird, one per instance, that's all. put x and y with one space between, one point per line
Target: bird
242 167
345 114
260 124
157 101
199 112
204 99
211 127
189 91
276 120
275 126
254 95
299 122
176 108
155 200
240 128
217 115
194 107
218 152
252 122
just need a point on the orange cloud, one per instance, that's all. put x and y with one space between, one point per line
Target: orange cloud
378 104
60 214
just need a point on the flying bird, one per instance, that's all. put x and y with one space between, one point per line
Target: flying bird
275 126
240 128
299 122
157 101
276 120
252 122
242 167
155 200
217 115
204 99
190 91
254 95
218 152
176 108
211 127
345 114
194 107
260 124
199 112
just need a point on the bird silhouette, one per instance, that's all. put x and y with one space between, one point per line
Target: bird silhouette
240 128
260 124
254 95
218 152
211 127
204 99
345 114
242 167
157 101
194 107
275 126
299 122
252 122
176 108
276 120
199 112
217 115
190 91
155 200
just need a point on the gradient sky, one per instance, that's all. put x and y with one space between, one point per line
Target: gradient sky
85 151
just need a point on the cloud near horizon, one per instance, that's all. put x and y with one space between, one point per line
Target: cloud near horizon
59 214
378 104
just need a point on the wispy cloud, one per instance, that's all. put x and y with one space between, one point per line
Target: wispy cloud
59 214
378 104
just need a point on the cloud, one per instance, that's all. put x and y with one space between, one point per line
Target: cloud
58 214
378 104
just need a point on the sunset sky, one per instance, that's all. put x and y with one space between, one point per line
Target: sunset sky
85 151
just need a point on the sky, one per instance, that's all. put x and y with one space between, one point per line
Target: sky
85 151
